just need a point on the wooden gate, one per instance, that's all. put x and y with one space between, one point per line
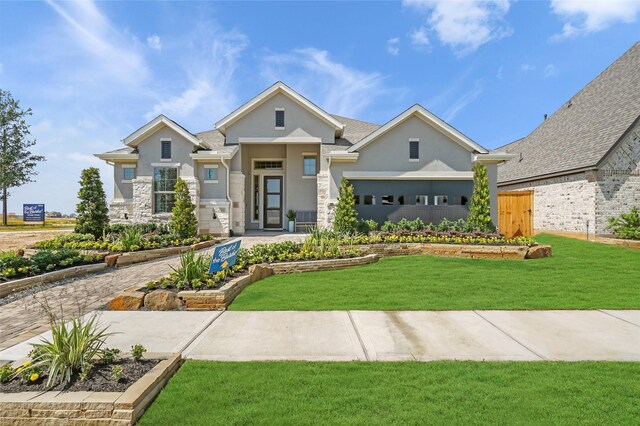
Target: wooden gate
515 213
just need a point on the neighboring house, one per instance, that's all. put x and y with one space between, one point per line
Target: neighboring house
583 162
279 151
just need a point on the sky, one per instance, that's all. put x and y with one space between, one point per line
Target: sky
93 72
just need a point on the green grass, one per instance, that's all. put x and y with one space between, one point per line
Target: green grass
292 393
579 275
16 224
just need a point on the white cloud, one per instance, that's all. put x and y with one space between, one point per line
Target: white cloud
499 73
550 71
153 42
419 37
109 51
588 16
212 60
392 46
464 25
527 67
85 159
463 101
336 87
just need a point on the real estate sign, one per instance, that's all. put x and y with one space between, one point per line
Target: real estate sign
224 256
33 212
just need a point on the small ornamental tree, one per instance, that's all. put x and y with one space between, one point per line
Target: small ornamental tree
480 210
346 216
17 163
183 220
92 209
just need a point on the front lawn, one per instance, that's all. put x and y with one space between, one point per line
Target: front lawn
579 275
207 393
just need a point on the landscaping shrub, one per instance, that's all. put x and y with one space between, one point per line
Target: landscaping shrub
183 219
143 228
192 267
346 216
627 225
366 226
480 207
14 266
70 350
431 236
92 209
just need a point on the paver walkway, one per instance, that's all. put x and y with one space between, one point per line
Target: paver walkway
377 335
24 318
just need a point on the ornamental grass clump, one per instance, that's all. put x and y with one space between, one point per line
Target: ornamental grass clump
192 267
71 350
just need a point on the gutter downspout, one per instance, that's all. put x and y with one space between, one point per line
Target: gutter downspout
226 166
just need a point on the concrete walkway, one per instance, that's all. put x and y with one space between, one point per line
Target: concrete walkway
24 318
377 335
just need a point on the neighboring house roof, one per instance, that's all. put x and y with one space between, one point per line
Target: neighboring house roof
428 117
580 134
143 132
279 87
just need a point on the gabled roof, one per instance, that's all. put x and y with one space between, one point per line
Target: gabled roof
136 137
580 134
426 116
279 87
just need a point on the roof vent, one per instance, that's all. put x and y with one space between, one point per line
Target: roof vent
570 103
520 158
545 116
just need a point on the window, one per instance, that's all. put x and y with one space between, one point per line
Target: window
441 200
387 200
166 150
211 174
401 200
268 165
422 200
370 200
356 200
414 149
129 173
256 197
310 165
279 118
164 182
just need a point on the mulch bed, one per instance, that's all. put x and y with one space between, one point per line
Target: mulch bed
100 380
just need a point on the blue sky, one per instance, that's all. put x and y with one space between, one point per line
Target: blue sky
95 71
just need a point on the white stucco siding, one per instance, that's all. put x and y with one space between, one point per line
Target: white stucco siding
301 190
149 151
121 188
299 122
212 190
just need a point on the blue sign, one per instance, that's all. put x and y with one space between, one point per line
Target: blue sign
33 212
224 256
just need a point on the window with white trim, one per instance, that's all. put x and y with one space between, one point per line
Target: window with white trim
422 200
279 118
310 165
164 182
211 173
128 172
165 151
441 200
414 149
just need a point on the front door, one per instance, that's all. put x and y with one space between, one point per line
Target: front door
272 203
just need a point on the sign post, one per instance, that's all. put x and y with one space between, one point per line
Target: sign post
33 213
224 256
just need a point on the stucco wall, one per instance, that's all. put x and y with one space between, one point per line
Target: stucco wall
302 191
149 153
298 122
121 190
210 190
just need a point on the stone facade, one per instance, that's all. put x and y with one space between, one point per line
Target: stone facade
213 216
566 203
236 192
323 181
120 210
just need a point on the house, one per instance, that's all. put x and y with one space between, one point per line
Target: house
583 162
279 151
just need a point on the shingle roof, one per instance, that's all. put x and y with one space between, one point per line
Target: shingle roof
584 129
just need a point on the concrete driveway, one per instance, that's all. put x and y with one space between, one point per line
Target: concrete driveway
378 335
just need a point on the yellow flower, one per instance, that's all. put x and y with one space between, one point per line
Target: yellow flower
26 363
34 377
19 369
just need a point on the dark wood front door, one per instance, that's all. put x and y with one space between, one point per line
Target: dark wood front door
272 202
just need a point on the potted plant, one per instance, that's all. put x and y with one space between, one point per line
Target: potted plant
291 217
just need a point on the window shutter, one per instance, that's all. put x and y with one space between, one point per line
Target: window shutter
414 150
279 118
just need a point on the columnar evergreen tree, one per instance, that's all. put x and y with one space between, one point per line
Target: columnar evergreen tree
92 209
346 216
480 209
17 163
183 220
